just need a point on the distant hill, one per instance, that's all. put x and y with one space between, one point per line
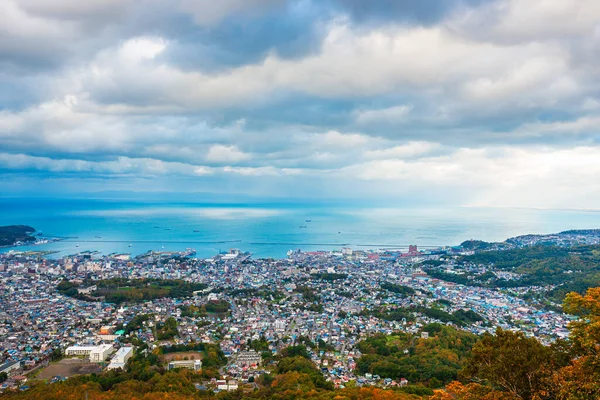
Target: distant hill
585 232
476 245
10 235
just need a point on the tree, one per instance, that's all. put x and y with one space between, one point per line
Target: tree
293 351
581 378
472 391
511 361
56 355
585 332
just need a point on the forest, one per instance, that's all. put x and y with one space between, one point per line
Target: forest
119 290
329 276
11 234
433 362
458 318
398 289
262 292
539 265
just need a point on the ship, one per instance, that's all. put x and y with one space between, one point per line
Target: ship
309 220
302 226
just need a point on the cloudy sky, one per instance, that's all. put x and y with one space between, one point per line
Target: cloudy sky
465 102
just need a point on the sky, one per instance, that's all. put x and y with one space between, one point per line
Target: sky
490 103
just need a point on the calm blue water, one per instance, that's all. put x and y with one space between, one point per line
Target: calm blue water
268 230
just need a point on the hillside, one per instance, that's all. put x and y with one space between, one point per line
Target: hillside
12 234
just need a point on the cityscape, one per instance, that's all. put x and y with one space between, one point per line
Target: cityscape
299 200
88 312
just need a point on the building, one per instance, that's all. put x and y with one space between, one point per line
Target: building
96 353
87 290
232 385
280 324
248 359
101 353
222 384
120 358
79 350
10 366
106 330
195 365
213 297
123 355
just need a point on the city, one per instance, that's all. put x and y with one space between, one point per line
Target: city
252 309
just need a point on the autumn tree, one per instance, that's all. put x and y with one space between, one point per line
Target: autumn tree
510 361
581 378
472 391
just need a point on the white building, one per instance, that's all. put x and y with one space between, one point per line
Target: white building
101 353
79 350
123 355
87 290
10 366
195 365
120 358
222 385
280 324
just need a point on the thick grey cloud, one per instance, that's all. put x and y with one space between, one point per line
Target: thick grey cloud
496 99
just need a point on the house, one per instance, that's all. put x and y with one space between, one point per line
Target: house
248 359
222 384
10 366
232 385
87 290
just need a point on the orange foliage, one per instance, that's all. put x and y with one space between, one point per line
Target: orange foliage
472 391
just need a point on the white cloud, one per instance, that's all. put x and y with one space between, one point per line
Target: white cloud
547 77
518 20
261 171
338 140
219 153
506 176
393 115
409 150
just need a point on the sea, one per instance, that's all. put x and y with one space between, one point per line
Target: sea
268 229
